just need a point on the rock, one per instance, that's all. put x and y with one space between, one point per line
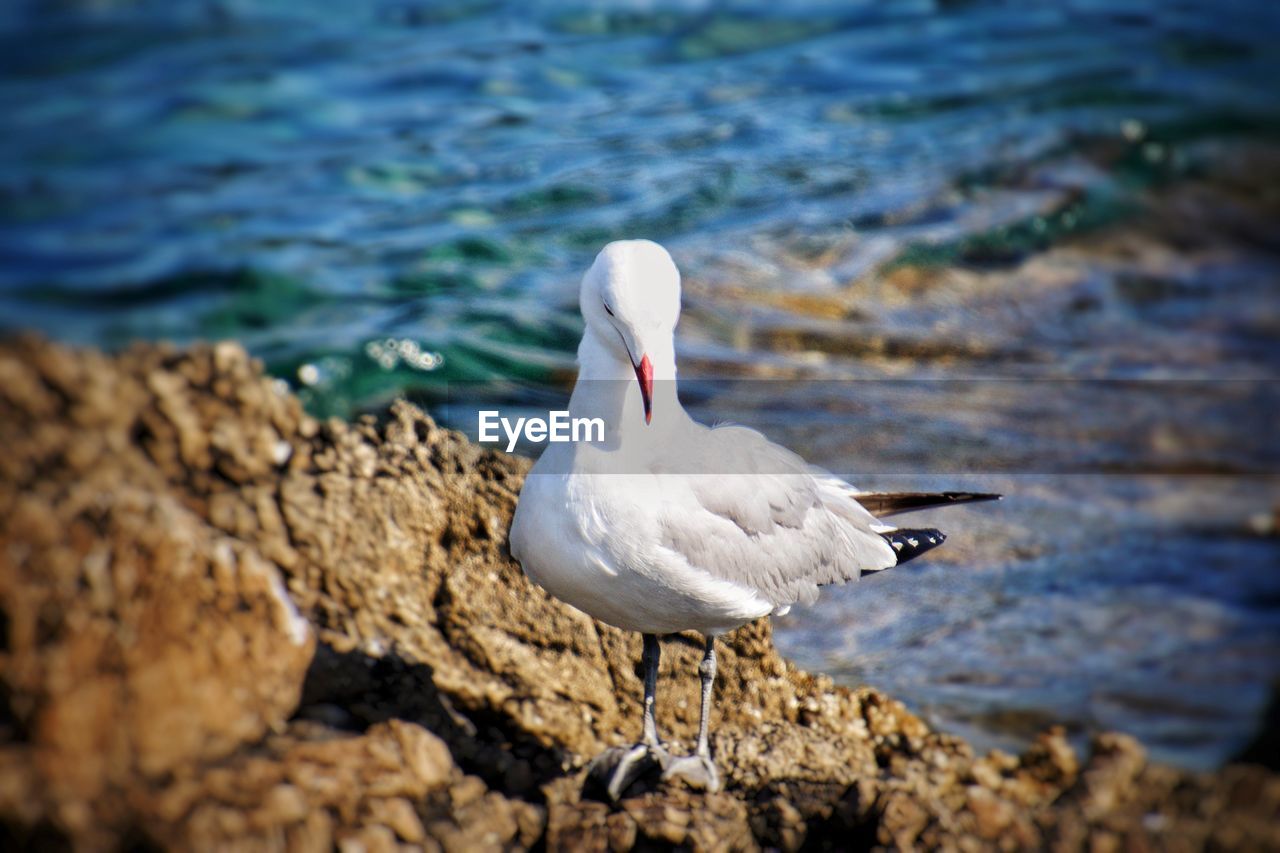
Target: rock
227 624
1116 764
139 639
991 813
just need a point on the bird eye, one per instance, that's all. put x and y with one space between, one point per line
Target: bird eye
607 309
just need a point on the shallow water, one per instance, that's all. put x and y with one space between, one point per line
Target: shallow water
400 199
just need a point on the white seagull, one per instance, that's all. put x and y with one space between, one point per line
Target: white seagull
668 525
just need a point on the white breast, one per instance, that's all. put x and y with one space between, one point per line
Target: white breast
587 539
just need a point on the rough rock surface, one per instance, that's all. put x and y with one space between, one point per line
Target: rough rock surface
226 623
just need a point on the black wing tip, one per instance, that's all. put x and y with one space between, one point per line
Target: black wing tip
909 544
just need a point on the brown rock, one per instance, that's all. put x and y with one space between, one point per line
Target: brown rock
992 814
1109 778
140 639
229 625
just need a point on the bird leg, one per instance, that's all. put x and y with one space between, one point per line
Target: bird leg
616 768
651 657
698 769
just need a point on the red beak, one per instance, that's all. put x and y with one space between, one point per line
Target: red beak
644 374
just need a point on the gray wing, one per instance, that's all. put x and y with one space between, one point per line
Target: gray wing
761 519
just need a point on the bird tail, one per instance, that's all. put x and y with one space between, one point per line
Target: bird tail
909 544
882 504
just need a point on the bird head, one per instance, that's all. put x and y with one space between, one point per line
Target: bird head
631 298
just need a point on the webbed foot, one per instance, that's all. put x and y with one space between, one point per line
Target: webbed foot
615 769
699 771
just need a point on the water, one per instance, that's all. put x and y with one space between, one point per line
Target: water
398 198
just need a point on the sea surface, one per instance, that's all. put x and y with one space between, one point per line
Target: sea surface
1023 247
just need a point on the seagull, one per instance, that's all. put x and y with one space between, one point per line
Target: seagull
664 525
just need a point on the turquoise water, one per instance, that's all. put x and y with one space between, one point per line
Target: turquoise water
398 199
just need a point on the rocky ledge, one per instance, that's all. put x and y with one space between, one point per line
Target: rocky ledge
224 623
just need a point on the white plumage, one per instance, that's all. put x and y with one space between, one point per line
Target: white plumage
668 525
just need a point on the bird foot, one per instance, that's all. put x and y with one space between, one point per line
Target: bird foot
699 771
615 769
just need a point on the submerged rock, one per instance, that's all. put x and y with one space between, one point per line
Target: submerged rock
225 623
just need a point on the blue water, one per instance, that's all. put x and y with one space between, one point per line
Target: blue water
390 198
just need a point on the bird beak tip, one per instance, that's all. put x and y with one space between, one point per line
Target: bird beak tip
644 375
